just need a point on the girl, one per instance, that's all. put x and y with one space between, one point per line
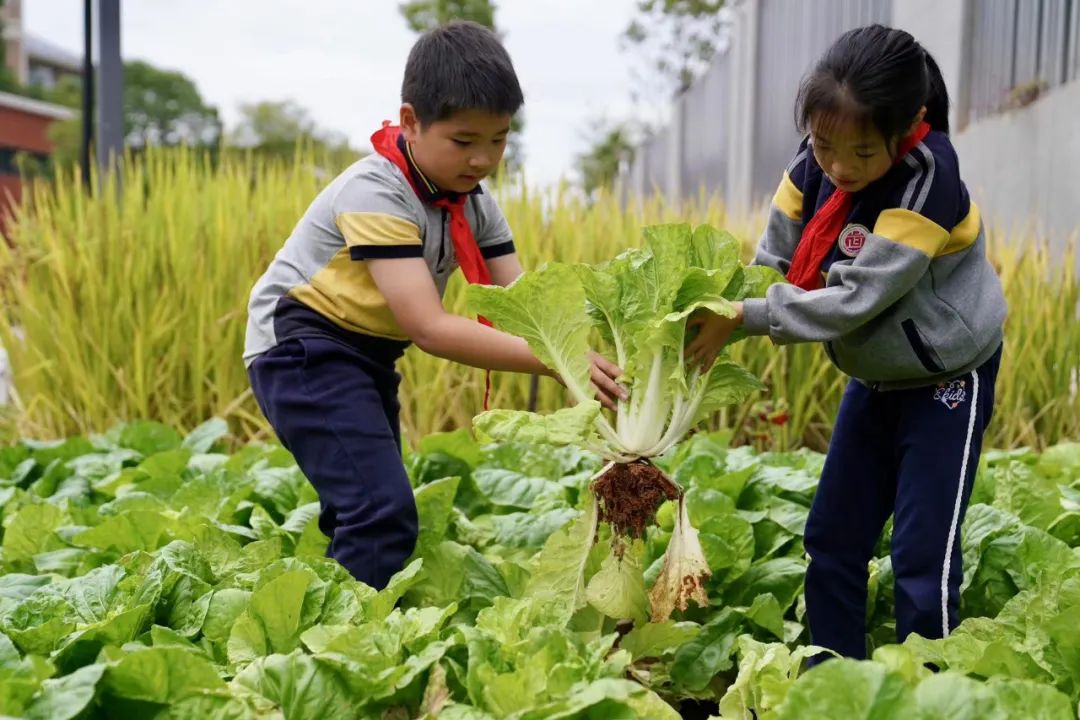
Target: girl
886 258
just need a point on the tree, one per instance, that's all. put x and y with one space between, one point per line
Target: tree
7 80
66 137
276 127
612 146
67 91
270 123
163 107
678 39
424 15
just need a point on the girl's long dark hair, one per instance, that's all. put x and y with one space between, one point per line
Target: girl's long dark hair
880 74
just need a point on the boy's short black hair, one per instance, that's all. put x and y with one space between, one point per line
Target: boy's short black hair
460 66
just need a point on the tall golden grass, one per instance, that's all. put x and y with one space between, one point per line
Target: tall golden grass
131 304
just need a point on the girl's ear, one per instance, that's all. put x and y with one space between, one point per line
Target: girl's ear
919 117
410 123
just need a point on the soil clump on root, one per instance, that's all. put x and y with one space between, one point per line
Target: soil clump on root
629 495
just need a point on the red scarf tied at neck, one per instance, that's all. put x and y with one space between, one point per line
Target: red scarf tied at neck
469 257
821 232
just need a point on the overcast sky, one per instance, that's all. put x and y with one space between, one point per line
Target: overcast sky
343 59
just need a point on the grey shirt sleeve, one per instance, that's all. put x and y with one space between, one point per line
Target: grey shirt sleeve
896 255
493 235
855 293
777 244
785 222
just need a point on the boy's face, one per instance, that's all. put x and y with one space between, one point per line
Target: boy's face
460 151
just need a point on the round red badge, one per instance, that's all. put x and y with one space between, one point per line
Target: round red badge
852 239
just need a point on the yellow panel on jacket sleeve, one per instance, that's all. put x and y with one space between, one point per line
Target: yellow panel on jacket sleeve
911 229
788 198
345 293
965 233
371 228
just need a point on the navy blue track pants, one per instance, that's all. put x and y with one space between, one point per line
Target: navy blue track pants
335 409
912 454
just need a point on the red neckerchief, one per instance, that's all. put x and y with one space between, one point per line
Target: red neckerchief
821 232
469 257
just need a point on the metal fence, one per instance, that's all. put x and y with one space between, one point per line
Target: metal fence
792 35
1020 49
733 131
703 113
693 152
655 159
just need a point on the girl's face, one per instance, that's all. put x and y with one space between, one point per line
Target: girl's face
853 154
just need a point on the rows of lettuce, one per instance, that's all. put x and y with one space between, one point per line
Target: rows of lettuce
149 575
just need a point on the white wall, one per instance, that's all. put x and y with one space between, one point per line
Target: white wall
1023 166
939 25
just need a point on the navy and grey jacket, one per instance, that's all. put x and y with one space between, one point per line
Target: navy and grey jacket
910 297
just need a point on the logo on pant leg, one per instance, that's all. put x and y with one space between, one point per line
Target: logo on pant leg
951 393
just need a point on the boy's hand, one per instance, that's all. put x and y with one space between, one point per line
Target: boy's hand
713 333
604 374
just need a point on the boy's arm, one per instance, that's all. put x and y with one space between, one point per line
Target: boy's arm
504 269
413 299
495 241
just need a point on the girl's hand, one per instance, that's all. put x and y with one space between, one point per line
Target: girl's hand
604 375
713 333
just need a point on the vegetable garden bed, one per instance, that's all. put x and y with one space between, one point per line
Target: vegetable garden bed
147 575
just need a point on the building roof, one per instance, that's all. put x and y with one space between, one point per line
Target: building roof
47 52
35 107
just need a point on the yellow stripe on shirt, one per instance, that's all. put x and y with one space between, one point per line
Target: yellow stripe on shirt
372 228
911 229
345 293
965 233
788 199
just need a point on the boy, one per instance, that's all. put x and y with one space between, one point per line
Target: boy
362 276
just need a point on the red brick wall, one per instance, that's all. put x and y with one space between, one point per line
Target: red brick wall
21 130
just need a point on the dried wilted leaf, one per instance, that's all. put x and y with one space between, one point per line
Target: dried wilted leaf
684 573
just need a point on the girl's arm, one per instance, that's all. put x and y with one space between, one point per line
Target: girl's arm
414 301
897 253
785 222
783 229
884 271
895 257
887 267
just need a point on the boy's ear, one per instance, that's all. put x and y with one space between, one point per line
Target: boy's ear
410 123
